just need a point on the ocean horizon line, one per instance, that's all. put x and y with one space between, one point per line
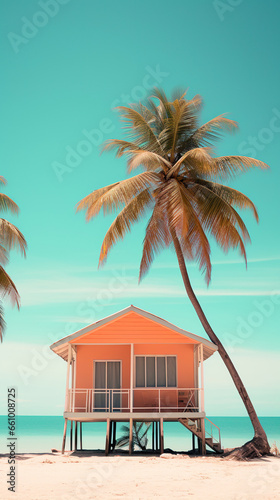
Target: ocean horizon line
209 415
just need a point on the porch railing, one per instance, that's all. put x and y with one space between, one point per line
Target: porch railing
212 431
164 399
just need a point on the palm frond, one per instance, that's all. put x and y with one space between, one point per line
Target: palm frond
215 203
220 219
136 155
4 255
179 125
7 203
148 159
178 93
224 232
140 130
141 436
210 132
164 107
93 197
158 120
138 438
177 207
115 195
130 214
157 237
122 441
196 161
120 146
146 113
11 237
229 166
2 322
230 195
185 222
8 288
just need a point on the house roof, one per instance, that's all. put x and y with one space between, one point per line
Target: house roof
61 346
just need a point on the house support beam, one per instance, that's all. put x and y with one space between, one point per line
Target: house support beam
201 379
203 444
64 436
107 437
71 435
114 435
157 436
130 435
131 377
67 402
81 437
76 436
110 435
202 408
73 377
161 436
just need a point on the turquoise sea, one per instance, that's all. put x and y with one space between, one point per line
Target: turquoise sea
37 434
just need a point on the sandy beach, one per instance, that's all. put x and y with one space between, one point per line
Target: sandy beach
72 476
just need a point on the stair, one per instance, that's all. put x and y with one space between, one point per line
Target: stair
215 445
192 426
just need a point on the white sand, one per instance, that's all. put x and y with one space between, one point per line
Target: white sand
72 477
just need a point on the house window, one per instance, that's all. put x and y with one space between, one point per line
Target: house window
156 371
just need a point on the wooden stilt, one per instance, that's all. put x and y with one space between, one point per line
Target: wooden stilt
76 435
203 444
110 435
153 436
199 446
71 435
114 434
64 436
130 435
157 435
107 437
161 436
81 437
193 442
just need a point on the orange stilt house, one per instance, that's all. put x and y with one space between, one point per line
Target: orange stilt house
134 366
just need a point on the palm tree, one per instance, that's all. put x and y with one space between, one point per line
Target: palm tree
10 237
181 184
139 436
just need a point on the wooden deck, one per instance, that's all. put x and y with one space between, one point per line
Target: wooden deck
124 416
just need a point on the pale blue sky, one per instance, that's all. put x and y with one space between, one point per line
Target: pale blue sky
60 81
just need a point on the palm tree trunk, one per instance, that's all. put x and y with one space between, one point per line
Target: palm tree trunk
260 438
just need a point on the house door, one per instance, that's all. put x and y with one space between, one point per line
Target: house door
107 378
